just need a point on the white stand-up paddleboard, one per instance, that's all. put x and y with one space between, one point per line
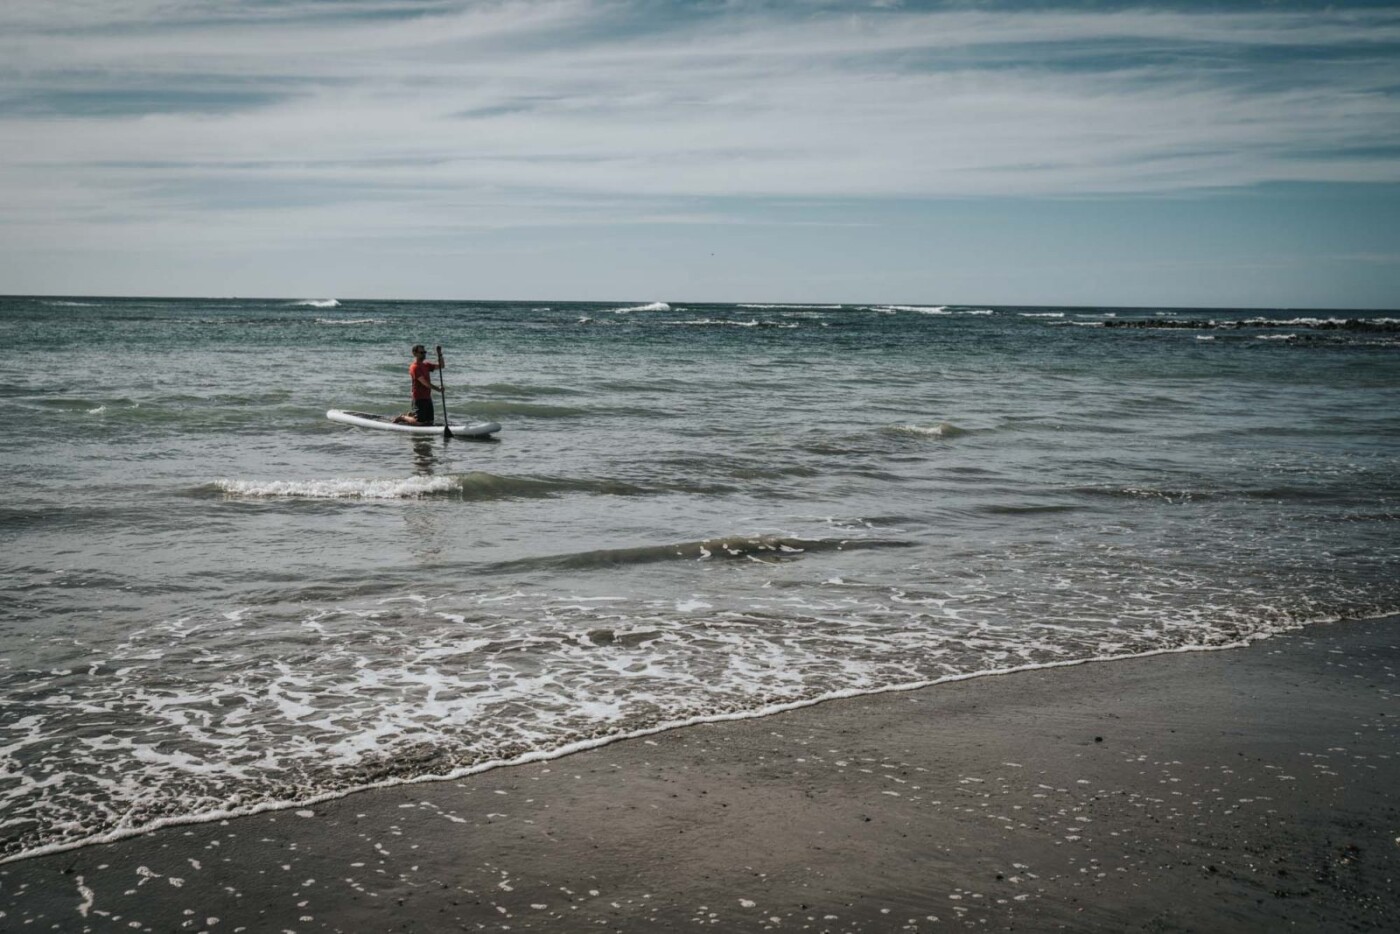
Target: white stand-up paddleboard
386 423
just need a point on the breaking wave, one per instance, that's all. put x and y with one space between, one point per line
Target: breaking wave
766 305
474 486
1211 324
719 322
408 488
918 309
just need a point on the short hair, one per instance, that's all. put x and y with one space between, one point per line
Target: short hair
419 348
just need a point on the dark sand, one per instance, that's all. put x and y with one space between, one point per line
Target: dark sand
1255 789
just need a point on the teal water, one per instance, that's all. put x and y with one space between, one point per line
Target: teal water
213 599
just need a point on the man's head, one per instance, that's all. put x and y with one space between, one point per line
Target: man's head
420 351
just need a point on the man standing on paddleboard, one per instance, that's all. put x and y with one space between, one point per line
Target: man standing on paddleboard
423 388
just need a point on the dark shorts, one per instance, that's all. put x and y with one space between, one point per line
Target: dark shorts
423 411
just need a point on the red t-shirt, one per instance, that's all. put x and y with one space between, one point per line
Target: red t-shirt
416 369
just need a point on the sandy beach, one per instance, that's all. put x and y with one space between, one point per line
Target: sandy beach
1245 790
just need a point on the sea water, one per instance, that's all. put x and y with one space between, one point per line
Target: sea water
214 600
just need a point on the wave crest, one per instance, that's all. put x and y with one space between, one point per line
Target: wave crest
407 488
719 322
474 486
917 309
1212 324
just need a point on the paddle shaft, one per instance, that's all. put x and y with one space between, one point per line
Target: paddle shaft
442 390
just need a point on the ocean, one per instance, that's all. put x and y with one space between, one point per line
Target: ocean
215 601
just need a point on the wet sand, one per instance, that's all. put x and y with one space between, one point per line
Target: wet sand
1255 789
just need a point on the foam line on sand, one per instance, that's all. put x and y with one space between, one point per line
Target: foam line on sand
1250 790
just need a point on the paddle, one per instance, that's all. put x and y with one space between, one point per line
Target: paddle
442 389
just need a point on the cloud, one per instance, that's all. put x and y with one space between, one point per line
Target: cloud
296 119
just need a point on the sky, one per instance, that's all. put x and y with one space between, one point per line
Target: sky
1051 153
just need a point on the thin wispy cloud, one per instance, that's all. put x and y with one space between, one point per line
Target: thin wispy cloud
225 121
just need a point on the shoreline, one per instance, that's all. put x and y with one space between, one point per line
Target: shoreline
587 745
1084 796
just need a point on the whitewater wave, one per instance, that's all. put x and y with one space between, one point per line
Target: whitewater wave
917 309
765 305
1214 324
1042 314
477 486
654 306
349 321
407 488
1317 322
719 322
318 303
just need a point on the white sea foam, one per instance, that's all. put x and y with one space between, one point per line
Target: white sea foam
786 305
405 688
1295 322
1277 337
343 321
719 322
917 309
97 411
1205 337
366 738
715 322
1042 314
1316 322
654 306
319 303
406 488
